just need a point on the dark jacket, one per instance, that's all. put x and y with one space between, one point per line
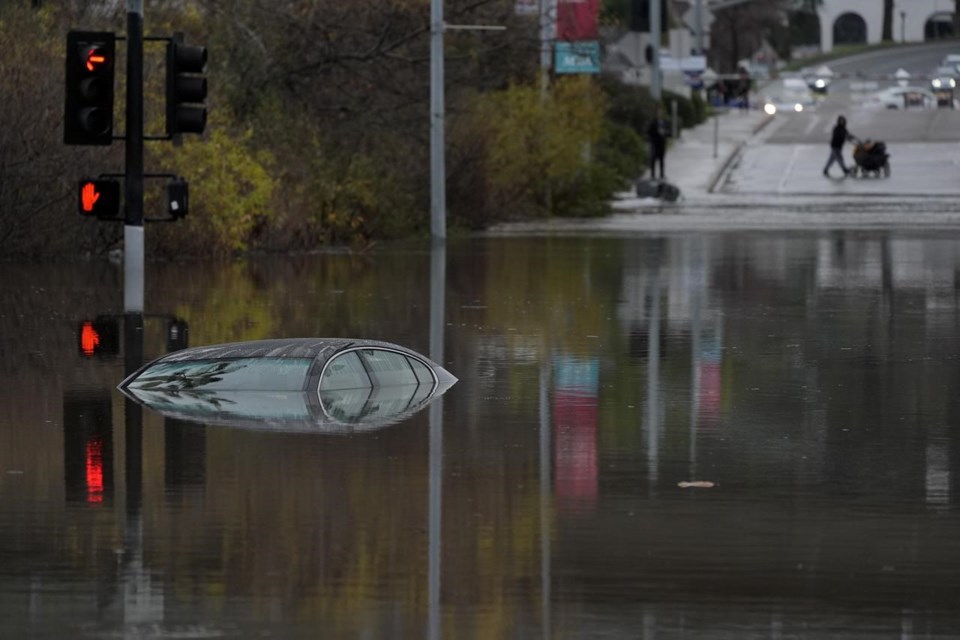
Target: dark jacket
840 135
657 134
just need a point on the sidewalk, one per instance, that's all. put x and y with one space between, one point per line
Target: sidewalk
697 160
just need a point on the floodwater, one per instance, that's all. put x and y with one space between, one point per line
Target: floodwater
720 435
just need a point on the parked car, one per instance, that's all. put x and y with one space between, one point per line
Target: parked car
790 95
908 97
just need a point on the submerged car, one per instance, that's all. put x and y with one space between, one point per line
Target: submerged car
300 384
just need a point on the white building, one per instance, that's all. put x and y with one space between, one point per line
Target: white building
861 21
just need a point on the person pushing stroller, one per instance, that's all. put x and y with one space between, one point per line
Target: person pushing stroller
839 136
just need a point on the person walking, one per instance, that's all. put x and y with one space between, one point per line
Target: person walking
657 139
839 136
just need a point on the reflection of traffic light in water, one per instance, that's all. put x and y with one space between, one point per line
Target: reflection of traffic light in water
95 469
575 422
88 446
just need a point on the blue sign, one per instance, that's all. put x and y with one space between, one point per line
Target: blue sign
577 57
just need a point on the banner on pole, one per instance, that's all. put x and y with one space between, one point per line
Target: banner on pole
577 57
577 20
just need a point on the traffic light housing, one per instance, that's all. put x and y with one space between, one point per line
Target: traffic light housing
186 87
178 198
88 105
99 198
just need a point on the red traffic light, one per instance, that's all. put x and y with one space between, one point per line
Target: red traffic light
88 88
100 198
95 58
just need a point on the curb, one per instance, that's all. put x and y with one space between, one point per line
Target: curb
728 164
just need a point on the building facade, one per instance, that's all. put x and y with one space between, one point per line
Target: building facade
861 21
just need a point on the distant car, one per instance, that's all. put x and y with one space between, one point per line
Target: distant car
951 60
909 97
818 80
790 95
302 384
943 83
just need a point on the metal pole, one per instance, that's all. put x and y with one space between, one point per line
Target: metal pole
438 191
674 124
133 251
546 35
655 19
698 24
716 134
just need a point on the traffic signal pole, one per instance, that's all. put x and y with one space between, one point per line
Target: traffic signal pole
133 242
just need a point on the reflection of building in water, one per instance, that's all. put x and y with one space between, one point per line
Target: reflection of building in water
575 412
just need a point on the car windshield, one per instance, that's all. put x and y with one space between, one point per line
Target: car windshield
241 374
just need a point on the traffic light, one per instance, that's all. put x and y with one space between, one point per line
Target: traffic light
100 337
99 198
88 108
178 335
186 87
178 198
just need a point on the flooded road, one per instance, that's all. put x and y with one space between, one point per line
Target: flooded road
682 435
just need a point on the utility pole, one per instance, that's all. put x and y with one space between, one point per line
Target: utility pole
438 171
698 24
655 20
133 248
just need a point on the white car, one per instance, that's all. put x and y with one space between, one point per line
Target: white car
951 60
790 95
909 97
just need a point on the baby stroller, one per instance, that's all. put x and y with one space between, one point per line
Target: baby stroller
871 157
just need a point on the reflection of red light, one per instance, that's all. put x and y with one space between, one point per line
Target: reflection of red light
711 384
576 457
89 339
95 470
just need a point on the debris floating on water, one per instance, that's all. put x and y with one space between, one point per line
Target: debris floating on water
696 484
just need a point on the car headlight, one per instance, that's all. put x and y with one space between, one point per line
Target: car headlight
820 83
953 83
798 107
769 109
936 83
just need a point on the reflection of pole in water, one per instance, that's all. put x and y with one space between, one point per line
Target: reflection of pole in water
438 266
653 383
697 295
545 577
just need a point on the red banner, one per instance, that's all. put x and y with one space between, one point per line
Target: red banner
577 20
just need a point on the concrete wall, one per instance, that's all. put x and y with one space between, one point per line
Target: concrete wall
916 12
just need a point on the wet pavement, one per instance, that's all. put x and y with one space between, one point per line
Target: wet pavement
682 434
